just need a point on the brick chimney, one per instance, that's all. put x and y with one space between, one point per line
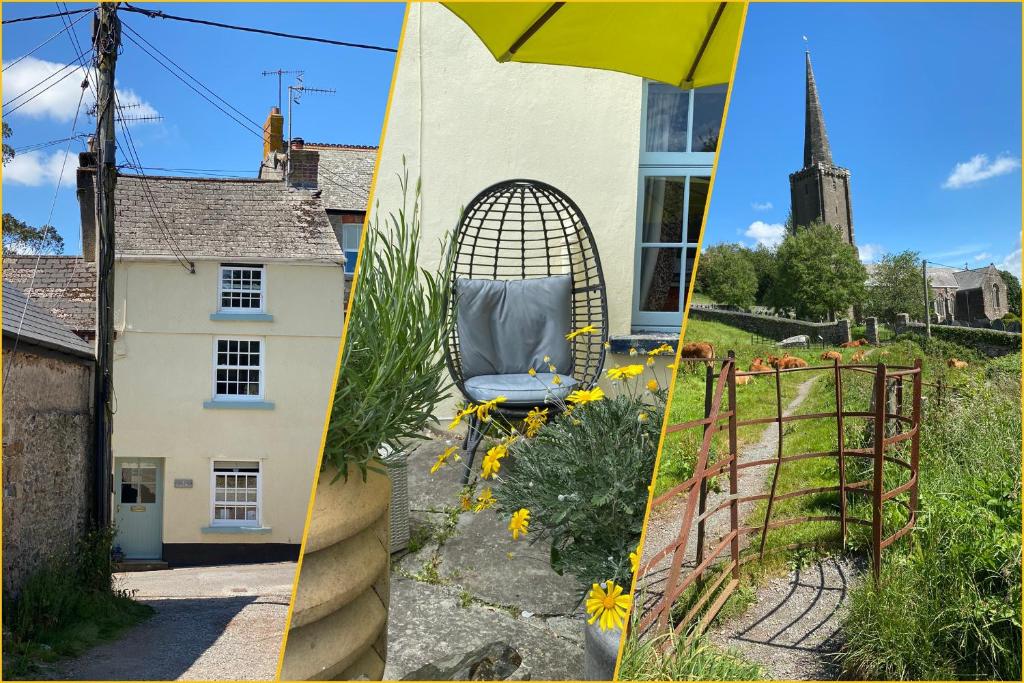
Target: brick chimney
86 177
273 133
303 165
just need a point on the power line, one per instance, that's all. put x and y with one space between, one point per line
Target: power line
49 143
33 50
155 14
72 66
47 16
35 267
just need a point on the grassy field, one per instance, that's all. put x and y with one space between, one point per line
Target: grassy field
948 605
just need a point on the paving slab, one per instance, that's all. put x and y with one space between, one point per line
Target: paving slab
428 623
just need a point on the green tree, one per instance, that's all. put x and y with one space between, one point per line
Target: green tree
22 238
896 287
728 275
818 274
764 261
8 150
1012 291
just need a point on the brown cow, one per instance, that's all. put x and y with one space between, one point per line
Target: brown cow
772 360
787 362
849 345
863 342
758 365
695 351
956 363
743 379
858 357
832 355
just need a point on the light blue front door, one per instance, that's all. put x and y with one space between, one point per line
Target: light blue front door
138 507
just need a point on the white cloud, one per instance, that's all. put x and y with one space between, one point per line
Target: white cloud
968 173
767 234
57 98
762 206
39 168
869 253
961 250
982 256
1011 262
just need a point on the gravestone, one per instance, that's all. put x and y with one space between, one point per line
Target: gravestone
871 330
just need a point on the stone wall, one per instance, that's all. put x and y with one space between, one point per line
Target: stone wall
47 458
775 327
989 342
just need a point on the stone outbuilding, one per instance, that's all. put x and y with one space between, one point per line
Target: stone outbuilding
49 488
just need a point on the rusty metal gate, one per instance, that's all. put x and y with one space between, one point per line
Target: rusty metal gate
712 575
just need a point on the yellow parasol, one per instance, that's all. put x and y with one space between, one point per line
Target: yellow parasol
686 44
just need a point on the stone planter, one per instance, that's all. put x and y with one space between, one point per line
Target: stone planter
600 649
339 620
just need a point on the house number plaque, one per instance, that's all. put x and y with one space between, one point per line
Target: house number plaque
182 483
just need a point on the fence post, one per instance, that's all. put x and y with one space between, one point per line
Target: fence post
915 441
841 434
734 506
879 455
871 330
709 381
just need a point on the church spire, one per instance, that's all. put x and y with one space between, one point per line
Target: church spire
816 148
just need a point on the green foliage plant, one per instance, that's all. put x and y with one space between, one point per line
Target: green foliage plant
729 276
896 287
818 274
392 373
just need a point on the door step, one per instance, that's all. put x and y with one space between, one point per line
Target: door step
139 565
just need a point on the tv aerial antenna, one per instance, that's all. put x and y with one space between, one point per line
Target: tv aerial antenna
295 93
281 73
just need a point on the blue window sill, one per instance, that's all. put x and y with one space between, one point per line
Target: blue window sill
243 317
643 342
238 405
235 530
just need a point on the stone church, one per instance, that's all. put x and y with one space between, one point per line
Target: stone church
820 191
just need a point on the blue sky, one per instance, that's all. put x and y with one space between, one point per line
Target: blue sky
192 133
912 95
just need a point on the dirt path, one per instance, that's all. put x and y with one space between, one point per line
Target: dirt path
792 630
663 525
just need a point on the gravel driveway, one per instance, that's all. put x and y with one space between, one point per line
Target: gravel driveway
211 623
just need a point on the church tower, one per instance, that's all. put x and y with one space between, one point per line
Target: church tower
820 191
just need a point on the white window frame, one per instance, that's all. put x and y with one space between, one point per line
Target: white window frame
262 370
673 165
221 308
350 263
259 496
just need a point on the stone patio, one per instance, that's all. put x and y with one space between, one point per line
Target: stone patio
465 584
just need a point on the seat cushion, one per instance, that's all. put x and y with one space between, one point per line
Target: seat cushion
507 327
518 389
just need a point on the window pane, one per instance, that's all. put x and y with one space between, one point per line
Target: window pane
147 493
667 112
351 233
129 493
659 278
663 209
699 186
708 106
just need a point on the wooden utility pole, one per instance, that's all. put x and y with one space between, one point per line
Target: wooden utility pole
927 304
106 41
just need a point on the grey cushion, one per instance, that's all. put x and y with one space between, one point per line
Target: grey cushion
518 389
509 326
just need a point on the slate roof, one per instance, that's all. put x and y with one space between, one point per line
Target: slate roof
221 218
65 286
942 277
345 173
970 279
37 326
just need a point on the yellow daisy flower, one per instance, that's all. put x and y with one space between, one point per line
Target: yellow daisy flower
664 348
642 417
485 500
465 412
652 385
552 368
547 359
492 461
581 396
442 458
531 372
609 605
632 352
626 372
589 329
634 562
556 380
650 361
534 420
483 411
517 525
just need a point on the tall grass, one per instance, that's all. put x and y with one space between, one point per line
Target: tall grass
65 607
948 604
644 660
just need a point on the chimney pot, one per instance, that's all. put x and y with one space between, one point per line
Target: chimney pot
297 143
273 133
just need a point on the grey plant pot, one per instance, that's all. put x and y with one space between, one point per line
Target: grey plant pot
600 649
